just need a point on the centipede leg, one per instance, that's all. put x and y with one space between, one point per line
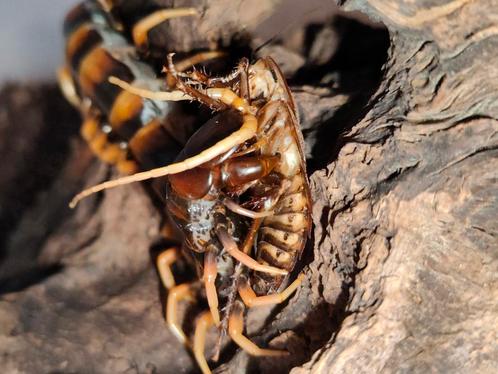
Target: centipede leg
204 322
176 293
235 330
210 273
244 80
231 247
220 96
188 63
251 300
67 87
142 27
164 262
251 235
209 82
193 93
182 292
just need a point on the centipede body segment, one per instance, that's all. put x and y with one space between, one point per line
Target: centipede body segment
236 183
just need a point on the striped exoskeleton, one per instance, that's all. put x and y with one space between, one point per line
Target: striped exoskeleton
238 189
121 128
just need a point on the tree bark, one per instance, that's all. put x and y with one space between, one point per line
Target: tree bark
402 267
406 216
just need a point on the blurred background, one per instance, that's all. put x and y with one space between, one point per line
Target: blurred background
31 42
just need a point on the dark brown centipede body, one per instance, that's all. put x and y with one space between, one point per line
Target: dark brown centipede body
236 183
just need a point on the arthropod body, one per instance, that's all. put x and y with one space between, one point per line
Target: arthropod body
237 190
121 128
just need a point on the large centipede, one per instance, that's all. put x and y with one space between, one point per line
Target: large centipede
236 183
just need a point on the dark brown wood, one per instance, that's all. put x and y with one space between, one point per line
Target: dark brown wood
401 271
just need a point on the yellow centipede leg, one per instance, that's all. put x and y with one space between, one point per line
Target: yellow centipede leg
210 273
182 292
235 330
251 300
231 247
204 322
164 262
142 27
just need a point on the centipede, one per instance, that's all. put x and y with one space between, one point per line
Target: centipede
227 149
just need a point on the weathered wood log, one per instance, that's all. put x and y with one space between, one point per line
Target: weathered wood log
406 216
401 271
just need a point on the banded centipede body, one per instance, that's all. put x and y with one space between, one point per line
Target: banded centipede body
236 183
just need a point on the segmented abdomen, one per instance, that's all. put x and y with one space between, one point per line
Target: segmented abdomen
121 128
282 236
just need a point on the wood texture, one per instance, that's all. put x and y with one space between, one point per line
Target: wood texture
411 202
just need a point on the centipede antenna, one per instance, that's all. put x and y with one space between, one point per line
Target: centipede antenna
175 95
246 132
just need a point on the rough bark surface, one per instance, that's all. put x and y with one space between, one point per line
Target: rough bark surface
402 268
410 203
